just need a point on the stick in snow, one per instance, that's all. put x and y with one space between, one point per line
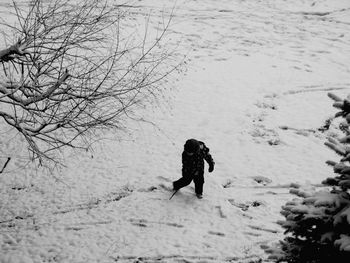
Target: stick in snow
173 194
3 168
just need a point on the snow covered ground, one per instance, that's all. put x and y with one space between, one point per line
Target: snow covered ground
254 90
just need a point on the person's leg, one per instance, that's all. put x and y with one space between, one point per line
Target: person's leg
198 184
182 182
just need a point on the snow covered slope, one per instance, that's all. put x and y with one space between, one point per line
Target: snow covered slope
254 90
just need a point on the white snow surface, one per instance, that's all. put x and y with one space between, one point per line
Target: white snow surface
252 67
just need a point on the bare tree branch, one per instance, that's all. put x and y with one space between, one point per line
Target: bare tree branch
72 70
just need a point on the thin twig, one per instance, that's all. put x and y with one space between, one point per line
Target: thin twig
3 168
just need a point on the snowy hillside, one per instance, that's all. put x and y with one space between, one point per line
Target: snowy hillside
254 89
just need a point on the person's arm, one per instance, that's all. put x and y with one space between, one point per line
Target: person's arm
208 158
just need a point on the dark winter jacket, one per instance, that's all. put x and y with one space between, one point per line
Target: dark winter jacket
193 165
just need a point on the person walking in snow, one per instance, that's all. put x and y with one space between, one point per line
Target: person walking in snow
193 156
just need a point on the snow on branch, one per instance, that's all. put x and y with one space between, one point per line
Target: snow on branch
317 223
74 71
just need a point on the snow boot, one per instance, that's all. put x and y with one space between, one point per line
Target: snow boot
199 196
